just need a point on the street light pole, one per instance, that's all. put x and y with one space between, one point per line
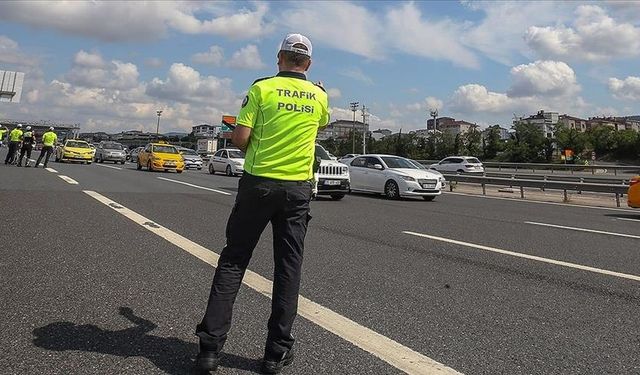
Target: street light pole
159 112
434 114
365 115
354 108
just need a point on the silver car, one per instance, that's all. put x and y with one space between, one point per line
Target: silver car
191 158
110 151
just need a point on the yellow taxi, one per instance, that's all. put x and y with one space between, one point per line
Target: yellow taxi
160 157
75 150
633 195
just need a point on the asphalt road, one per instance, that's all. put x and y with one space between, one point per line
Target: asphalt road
85 290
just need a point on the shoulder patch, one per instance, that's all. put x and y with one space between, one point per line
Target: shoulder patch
245 101
261 79
321 88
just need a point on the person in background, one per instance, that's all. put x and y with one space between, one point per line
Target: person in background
15 137
49 139
3 131
28 140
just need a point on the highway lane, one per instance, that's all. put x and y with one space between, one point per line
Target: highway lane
497 315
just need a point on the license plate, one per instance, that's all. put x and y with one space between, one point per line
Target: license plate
332 182
428 186
170 164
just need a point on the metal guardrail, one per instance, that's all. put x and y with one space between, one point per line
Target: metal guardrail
563 178
554 167
565 186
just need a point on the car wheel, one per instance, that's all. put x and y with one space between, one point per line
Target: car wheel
211 170
337 196
460 171
229 171
391 190
138 166
428 199
101 159
89 162
178 171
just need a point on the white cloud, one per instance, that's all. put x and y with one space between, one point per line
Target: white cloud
334 93
357 74
593 36
551 78
187 85
628 88
476 98
138 21
247 57
437 39
214 56
10 52
429 103
90 70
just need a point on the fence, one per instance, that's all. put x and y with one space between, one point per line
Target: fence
554 167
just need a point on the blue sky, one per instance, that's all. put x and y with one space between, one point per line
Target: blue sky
110 65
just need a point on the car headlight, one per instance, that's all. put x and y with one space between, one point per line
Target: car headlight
407 178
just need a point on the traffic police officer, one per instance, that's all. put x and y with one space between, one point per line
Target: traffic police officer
15 137
28 140
277 127
48 140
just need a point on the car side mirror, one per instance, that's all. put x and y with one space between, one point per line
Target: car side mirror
378 167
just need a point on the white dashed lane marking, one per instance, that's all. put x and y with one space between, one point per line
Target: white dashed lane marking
583 230
109 166
69 180
392 352
194 186
527 256
51 170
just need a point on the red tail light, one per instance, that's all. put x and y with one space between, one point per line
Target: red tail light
633 181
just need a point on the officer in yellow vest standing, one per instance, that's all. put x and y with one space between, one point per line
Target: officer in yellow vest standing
28 140
15 137
277 127
48 141
3 131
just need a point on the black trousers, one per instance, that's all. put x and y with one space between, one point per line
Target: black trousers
46 150
259 201
25 150
13 152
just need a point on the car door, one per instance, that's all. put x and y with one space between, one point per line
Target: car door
143 156
444 165
357 173
218 160
376 178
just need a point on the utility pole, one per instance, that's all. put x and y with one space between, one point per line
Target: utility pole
365 115
354 108
158 112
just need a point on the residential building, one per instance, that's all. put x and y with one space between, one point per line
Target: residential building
341 129
571 122
378 134
450 125
504 133
546 121
611 122
205 130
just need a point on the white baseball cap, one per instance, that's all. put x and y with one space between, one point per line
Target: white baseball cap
292 39
28 127
50 127
19 125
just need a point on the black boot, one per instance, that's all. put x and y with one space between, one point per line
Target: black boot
271 366
207 362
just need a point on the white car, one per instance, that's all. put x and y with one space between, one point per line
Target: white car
459 164
393 176
332 177
227 160
191 158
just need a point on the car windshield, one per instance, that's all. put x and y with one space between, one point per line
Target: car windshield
188 151
322 153
78 144
165 149
418 164
473 160
236 154
113 146
395 162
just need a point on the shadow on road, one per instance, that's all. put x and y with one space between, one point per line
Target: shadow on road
169 354
625 216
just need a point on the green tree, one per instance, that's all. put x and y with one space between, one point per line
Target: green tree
491 143
571 138
626 142
528 144
473 142
602 139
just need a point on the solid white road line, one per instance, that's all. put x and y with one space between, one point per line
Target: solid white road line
527 256
69 180
51 170
538 202
583 230
109 166
194 186
382 347
626 219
